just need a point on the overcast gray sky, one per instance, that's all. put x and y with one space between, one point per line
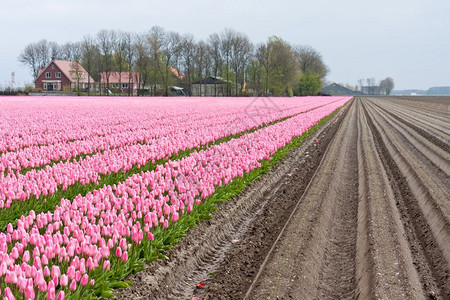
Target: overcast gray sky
408 40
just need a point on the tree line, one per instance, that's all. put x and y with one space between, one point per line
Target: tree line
273 68
370 86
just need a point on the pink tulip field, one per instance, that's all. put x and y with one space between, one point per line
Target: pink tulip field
91 188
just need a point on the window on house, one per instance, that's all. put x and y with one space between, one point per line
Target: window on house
48 75
124 85
58 75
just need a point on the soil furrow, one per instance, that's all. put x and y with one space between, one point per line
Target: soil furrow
338 273
435 130
431 107
306 245
436 106
429 184
429 153
428 258
435 125
386 264
426 138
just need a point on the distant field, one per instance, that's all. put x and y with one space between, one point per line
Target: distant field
436 103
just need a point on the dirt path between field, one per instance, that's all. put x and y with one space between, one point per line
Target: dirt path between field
361 210
316 252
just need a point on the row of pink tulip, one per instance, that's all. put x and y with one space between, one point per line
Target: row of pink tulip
29 121
137 132
34 121
46 181
140 130
64 248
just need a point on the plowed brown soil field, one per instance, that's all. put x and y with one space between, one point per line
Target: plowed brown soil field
360 211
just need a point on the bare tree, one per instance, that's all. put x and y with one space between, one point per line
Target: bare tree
43 52
89 55
310 60
65 52
38 55
119 56
207 60
155 40
106 41
226 48
77 51
241 51
255 74
387 84
54 49
77 74
264 55
187 53
29 57
371 83
142 61
214 43
361 84
130 56
170 49
202 61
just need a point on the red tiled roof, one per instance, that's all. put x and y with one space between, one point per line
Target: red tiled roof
41 70
68 68
124 77
176 73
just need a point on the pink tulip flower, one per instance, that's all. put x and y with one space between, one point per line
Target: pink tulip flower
84 280
61 295
124 256
64 280
73 285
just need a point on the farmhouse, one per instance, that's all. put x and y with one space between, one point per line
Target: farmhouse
60 74
120 82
